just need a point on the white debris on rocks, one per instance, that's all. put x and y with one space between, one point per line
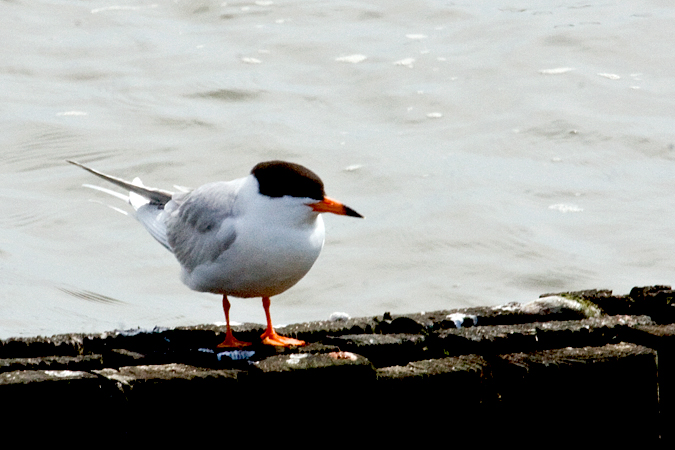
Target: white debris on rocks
296 358
343 355
65 373
554 304
338 316
460 318
236 355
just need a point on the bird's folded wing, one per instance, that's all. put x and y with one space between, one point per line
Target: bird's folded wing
200 225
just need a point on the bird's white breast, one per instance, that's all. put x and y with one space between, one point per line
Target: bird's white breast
277 240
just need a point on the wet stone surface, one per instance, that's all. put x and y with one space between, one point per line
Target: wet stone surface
588 352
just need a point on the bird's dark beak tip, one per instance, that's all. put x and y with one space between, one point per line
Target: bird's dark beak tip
351 213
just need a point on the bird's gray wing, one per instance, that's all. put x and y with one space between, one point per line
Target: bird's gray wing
200 224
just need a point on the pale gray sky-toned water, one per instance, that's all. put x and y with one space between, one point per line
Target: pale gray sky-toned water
499 150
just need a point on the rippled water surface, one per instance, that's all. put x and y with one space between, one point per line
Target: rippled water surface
499 150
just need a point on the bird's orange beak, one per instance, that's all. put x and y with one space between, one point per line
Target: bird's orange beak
328 205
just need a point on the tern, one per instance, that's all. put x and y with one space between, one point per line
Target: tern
255 236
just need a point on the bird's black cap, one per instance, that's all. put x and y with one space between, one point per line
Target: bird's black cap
280 178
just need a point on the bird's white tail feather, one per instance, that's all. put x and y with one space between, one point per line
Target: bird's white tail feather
148 203
149 215
122 197
158 196
135 199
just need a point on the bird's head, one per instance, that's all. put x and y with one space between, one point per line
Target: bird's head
280 179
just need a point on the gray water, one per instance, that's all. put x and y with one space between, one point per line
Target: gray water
499 150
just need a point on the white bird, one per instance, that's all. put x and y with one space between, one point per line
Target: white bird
251 237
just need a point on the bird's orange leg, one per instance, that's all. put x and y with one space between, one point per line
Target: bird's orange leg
230 340
270 337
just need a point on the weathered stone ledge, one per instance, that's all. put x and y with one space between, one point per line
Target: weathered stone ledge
585 363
